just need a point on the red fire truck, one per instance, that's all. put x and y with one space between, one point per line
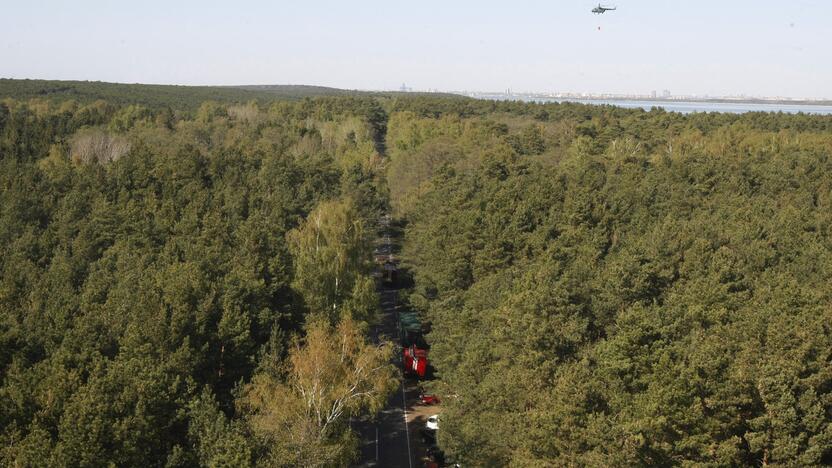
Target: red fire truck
415 360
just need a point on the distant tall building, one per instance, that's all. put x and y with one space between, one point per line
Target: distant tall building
666 93
404 88
654 94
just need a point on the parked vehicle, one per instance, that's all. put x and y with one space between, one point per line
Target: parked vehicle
435 454
428 437
391 272
415 360
433 423
428 399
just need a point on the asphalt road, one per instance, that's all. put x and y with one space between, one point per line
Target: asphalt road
388 441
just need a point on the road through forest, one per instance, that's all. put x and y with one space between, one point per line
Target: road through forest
389 441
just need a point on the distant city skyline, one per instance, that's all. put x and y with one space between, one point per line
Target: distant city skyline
652 94
754 48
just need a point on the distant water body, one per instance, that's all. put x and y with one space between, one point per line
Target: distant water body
689 107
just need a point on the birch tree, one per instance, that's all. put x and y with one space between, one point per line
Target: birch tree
333 375
330 255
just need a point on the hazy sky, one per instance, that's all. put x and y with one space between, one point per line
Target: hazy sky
717 47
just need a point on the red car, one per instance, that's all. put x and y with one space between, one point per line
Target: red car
428 399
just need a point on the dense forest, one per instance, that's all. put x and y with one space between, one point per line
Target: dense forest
621 288
170 277
182 98
603 287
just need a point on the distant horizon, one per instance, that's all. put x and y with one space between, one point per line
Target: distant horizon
587 95
752 47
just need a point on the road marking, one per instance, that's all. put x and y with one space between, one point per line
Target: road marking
406 429
404 410
389 299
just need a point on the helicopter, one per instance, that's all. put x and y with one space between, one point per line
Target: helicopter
602 9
